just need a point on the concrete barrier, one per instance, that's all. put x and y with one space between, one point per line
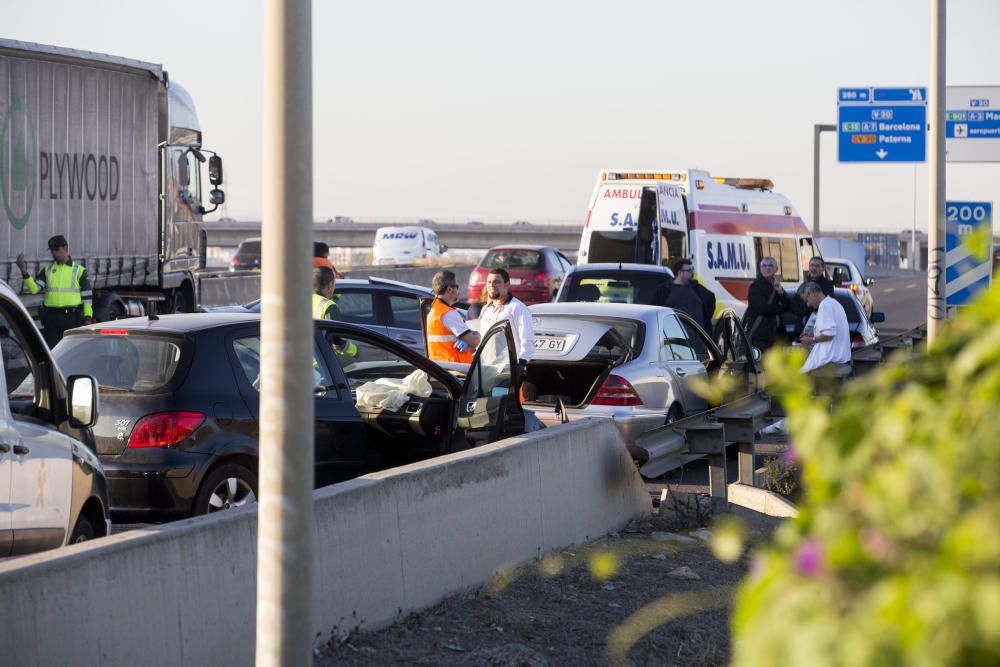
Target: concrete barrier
387 544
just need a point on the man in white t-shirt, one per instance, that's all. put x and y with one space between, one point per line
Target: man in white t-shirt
830 343
503 305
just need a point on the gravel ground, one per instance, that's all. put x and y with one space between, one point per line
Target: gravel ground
651 595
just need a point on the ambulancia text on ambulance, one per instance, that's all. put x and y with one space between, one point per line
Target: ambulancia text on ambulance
724 225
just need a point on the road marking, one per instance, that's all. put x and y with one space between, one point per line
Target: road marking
889 289
911 286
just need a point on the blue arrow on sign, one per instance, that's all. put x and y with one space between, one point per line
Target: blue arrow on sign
882 124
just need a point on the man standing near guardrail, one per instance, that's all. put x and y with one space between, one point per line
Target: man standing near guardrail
503 305
448 336
68 297
817 274
830 343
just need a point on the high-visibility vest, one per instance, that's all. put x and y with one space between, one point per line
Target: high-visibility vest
440 339
62 285
320 305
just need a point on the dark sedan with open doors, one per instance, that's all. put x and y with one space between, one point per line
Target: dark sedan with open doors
178 426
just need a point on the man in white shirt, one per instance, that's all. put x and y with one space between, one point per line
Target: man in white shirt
503 305
830 343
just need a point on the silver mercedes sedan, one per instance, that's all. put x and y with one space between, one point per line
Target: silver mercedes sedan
634 364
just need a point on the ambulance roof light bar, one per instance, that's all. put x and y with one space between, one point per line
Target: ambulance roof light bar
641 176
746 183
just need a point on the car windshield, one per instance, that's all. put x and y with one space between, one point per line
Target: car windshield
616 287
122 362
513 259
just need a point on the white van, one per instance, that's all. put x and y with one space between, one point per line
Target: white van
724 225
399 246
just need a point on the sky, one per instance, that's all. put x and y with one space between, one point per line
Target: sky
457 110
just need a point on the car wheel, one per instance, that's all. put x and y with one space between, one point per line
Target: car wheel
82 532
673 414
227 487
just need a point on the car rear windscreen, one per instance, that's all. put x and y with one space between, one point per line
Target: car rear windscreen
513 259
616 287
127 363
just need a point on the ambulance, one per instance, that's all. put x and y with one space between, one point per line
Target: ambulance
724 225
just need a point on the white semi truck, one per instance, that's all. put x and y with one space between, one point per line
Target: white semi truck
107 152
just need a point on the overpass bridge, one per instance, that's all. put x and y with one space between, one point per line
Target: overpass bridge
228 234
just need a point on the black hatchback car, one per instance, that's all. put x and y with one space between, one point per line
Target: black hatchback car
178 425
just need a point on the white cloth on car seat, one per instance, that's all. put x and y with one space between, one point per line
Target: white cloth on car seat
392 394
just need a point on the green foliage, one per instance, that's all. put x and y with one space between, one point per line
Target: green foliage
894 558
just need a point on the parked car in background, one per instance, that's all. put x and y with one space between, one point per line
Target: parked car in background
52 486
402 246
247 257
845 273
862 326
636 364
180 406
536 271
616 283
385 306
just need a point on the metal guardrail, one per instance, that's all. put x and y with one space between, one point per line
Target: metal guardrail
710 433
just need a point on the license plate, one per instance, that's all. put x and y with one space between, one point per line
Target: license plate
515 281
552 344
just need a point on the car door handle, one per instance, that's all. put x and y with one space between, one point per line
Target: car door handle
406 339
680 371
21 450
4 448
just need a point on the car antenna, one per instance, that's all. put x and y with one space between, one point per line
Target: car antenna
619 265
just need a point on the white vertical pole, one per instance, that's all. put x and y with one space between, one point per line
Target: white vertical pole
936 311
284 534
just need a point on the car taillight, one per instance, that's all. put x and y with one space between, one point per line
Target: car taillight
857 341
235 261
164 429
616 391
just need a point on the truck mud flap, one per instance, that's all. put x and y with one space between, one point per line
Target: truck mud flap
228 289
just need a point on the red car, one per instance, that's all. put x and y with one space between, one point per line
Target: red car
536 271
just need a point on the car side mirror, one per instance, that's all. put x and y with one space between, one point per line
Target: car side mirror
215 170
877 317
755 353
82 391
217 197
443 248
869 281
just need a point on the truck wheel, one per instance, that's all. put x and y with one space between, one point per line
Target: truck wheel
109 307
82 532
181 301
229 486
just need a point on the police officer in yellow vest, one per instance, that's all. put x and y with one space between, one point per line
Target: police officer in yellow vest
325 308
68 298
448 337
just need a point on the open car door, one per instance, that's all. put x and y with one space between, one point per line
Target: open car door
490 407
739 357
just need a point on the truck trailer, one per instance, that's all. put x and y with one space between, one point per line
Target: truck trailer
106 151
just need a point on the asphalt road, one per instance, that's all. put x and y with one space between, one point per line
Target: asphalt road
903 299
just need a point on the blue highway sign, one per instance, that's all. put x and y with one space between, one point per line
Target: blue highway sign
966 274
882 124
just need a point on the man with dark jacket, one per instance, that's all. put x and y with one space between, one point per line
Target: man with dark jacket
817 274
687 295
767 305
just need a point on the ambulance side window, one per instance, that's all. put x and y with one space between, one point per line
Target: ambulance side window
785 251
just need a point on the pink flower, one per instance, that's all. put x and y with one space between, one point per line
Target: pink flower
809 558
789 456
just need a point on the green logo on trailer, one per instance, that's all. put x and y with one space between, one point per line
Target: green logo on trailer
18 148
